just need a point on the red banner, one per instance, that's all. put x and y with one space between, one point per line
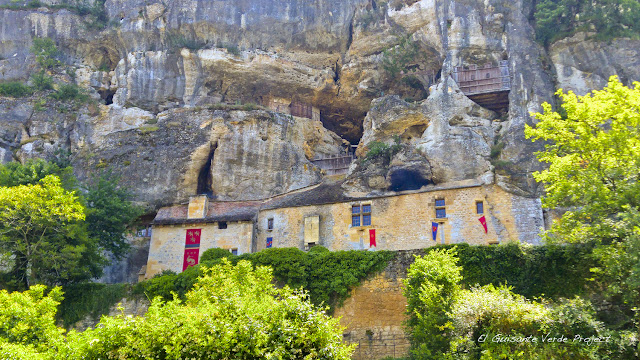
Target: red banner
372 238
190 258
193 237
483 221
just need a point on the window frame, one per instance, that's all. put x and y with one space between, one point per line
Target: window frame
359 213
481 208
440 206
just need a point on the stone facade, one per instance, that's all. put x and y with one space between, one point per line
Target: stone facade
324 216
403 222
374 313
168 243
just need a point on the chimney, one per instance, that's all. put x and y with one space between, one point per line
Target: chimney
198 205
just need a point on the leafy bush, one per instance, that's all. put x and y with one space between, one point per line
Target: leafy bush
40 81
382 151
235 312
448 322
556 19
397 59
550 270
431 288
214 254
45 51
70 92
327 276
15 89
91 299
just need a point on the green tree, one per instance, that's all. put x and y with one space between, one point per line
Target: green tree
32 171
27 323
556 19
431 289
593 152
40 226
110 213
45 51
234 312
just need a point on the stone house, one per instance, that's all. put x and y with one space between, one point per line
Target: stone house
324 215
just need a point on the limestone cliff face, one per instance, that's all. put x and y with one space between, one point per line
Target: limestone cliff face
157 70
583 64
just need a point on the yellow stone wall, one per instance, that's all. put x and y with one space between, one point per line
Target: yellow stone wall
373 317
403 222
166 251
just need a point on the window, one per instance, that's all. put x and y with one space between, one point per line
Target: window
479 207
234 251
441 211
222 224
366 215
270 224
361 215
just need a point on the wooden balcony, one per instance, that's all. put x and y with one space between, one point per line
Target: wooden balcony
488 86
336 165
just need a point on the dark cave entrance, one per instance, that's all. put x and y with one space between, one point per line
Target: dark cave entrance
408 179
205 181
107 96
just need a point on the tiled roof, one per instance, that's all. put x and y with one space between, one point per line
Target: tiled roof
217 211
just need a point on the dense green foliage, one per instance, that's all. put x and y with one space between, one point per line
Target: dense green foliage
50 233
449 322
556 19
70 92
41 227
46 52
27 324
396 60
327 276
593 152
431 288
378 150
14 89
89 299
234 312
41 81
110 213
550 270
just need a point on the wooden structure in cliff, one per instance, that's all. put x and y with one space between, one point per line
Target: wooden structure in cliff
334 165
293 108
488 86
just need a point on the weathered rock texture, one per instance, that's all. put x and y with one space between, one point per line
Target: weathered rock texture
155 64
583 64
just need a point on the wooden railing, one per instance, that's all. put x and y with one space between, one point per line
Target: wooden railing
481 80
334 165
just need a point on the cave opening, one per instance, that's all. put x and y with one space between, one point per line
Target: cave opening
107 96
408 179
205 180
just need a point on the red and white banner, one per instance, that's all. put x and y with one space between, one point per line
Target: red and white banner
372 238
191 248
190 258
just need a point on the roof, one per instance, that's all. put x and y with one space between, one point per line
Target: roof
328 192
216 211
325 193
